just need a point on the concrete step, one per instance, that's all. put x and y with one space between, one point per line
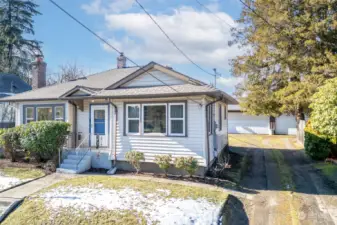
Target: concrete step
71 161
73 166
62 170
78 157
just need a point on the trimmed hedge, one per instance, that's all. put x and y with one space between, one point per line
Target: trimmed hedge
316 145
41 139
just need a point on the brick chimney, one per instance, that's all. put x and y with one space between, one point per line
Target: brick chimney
121 61
38 73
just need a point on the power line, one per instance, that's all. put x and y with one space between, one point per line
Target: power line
222 20
115 49
168 37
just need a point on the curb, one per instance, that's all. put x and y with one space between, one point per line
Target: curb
23 183
10 209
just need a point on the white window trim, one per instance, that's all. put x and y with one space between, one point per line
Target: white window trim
143 115
59 118
183 119
29 118
42 107
128 119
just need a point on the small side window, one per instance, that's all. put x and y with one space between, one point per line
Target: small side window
59 113
133 119
30 115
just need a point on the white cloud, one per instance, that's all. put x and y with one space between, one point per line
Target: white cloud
229 81
107 6
198 33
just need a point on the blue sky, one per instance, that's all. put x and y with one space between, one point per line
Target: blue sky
198 33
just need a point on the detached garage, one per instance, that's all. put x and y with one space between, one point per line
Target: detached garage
240 123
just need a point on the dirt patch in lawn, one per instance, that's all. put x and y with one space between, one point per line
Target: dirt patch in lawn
111 200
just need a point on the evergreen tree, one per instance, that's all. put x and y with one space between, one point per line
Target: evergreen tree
292 51
16 23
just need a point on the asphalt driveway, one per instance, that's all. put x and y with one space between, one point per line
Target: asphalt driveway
289 189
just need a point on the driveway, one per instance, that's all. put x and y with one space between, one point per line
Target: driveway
289 189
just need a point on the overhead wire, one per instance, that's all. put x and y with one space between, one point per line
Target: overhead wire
115 49
170 39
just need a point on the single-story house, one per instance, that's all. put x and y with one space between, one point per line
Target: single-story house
241 123
152 109
10 84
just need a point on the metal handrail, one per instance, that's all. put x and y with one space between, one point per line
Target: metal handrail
77 150
89 149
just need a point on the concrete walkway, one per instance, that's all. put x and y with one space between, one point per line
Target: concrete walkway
34 186
12 197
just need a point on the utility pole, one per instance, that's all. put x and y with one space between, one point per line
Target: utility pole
216 75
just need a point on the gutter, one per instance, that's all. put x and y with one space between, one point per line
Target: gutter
115 132
207 136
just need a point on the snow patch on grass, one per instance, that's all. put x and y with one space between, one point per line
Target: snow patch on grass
7 182
157 207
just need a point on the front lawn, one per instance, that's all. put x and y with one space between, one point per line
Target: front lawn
329 170
10 176
111 200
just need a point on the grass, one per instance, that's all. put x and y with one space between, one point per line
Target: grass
264 141
215 195
33 211
284 170
328 169
22 173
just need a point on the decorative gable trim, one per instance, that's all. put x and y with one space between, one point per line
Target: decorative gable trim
155 66
80 90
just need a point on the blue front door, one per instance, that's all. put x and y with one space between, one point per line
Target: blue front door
99 126
99 122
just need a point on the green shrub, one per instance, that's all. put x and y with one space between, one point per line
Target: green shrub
134 158
11 143
180 163
164 162
43 139
316 145
190 164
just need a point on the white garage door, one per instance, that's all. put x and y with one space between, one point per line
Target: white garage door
286 125
239 123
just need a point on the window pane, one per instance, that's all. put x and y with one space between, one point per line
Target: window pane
29 112
177 126
155 119
133 111
177 111
133 126
99 114
44 114
59 113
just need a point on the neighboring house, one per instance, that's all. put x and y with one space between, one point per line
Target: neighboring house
241 123
126 109
10 85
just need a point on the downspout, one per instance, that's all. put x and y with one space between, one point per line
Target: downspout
75 121
115 132
207 124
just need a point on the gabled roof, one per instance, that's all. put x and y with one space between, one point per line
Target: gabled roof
155 66
108 85
12 84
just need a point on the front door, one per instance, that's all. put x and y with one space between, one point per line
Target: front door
99 126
